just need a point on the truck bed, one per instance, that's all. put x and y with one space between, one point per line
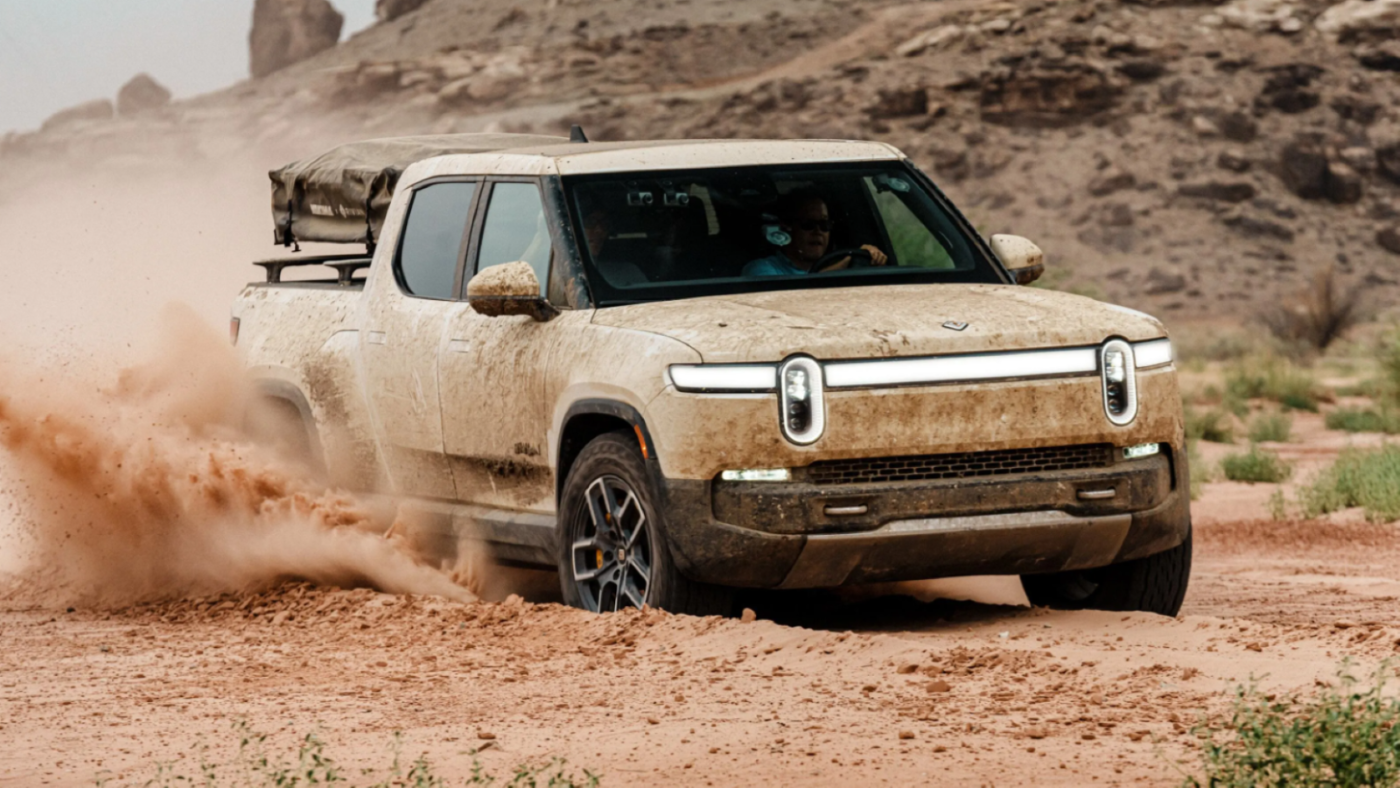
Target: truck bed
300 341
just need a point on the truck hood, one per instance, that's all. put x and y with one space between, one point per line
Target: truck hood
881 322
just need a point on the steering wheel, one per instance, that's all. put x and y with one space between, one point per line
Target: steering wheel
856 255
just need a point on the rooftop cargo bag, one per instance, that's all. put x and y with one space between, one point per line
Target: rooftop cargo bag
343 195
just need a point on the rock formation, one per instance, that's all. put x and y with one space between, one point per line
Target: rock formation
141 94
389 10
288 31
100 109
1361 20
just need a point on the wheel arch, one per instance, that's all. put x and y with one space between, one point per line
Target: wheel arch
288 394
589 418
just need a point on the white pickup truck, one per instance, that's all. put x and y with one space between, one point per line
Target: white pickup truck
673 369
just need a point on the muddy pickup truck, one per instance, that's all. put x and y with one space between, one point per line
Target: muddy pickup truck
675 369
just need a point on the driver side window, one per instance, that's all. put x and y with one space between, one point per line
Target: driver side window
516 230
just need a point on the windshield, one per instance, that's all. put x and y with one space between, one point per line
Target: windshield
665 235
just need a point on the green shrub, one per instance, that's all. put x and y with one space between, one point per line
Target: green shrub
1369 479
1369 387
1382 419
1389 358
1255 465
1214 344
1343 736
254 767
1275 427
1200 469
1213 425
1274 378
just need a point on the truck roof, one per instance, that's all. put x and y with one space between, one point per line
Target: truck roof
581 158
342 196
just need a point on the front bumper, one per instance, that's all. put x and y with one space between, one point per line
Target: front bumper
782 535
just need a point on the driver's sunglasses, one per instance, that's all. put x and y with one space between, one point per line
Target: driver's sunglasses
815 225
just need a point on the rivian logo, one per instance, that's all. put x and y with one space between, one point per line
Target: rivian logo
955 325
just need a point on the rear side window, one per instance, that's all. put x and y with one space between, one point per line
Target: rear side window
432 238
516 230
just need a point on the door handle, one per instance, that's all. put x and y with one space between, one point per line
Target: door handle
377 338
459 346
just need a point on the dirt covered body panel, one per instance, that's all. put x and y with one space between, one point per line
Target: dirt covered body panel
304 341
882 322
700 435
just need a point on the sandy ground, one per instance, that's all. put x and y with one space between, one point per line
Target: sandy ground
876 688
882 686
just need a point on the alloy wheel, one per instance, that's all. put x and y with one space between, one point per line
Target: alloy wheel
611 552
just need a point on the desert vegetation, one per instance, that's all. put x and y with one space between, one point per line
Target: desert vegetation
1255 465
1345 735
256 764
1252 385
1366 479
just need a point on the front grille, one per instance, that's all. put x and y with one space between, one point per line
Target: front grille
969 465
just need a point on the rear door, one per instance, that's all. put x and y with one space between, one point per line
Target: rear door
404 334
495 418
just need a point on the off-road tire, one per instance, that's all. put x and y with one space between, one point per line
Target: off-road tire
1155 584
614 460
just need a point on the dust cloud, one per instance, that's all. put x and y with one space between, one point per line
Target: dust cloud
125 471
147 488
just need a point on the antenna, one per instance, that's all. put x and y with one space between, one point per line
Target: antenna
576 134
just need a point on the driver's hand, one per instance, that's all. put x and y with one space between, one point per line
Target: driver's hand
877 257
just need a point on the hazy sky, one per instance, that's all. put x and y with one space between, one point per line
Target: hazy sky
57 53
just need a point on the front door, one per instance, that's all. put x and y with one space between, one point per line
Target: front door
492 369
407 315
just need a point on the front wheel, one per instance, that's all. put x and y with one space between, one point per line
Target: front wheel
612 551
1155 584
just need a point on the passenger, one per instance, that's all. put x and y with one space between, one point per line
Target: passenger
805 219
597 226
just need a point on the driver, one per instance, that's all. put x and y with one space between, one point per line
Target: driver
805 218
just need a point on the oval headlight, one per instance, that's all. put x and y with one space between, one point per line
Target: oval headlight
1119 372
802 406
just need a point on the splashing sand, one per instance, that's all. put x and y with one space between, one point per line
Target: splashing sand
150 489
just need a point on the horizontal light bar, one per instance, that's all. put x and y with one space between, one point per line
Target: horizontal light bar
948 369
758 475
1156 353
1142 450
927 370
725 377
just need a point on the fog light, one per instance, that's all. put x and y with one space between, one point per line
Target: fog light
1142 450
758 475
1119 381
801 409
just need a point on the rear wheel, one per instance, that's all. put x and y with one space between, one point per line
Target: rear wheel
1155 584
277 424
612 552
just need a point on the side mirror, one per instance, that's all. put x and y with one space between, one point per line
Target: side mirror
509 289
1022 258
